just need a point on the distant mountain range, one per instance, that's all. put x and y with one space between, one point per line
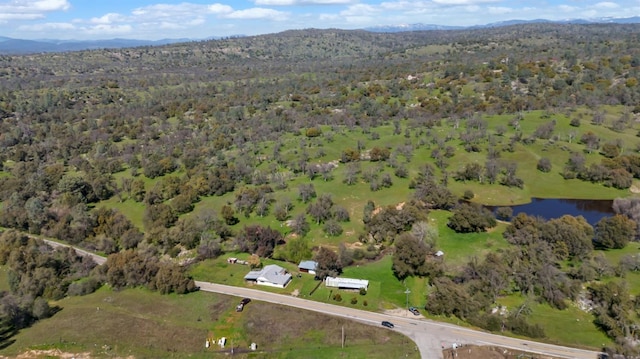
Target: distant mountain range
423 27
18 46
10 46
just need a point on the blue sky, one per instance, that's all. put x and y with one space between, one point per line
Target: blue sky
197 19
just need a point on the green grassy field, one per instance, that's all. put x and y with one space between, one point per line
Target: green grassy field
385 290
572 326
458 248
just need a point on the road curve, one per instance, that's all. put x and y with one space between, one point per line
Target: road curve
96 258
429 336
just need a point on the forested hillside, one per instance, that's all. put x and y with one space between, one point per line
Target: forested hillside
300 144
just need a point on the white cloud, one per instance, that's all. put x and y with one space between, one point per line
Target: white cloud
328 17
606 5
359 10
196 22
405 5
499 10
567 8
359 20
48 5
49 26
30 9
588 14
219 9
108 19
179 12
303 2
276 2
107 29
10 16
169 26
463 2
258 13
167 10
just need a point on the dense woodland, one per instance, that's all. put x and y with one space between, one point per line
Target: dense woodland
264 121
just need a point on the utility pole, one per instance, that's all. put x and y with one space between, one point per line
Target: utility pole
407 292
343 337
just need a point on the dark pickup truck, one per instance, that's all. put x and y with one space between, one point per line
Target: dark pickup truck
243 302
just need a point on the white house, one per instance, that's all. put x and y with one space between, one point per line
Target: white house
271 275
346 283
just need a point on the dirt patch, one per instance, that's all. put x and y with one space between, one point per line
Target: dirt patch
399 312
53 353
353 245
220 307
490 352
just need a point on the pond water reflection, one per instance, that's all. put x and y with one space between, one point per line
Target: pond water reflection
592 210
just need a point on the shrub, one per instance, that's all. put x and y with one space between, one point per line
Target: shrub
358 254
504 213
575 122
83 287
332 228
544 165
173 252
354 300
337 297
518 325
363 291
313 132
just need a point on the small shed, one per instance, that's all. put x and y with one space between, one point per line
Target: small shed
308 267
346 283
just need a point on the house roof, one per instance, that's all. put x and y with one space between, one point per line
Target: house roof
308 265
346 282
253 275
272 273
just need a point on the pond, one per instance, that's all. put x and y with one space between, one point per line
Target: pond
593 210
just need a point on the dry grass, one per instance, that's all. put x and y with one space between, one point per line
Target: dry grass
137 323
488 352
308 332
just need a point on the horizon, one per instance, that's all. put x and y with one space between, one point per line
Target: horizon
198 19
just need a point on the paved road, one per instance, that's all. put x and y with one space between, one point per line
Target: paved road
96 258
428 335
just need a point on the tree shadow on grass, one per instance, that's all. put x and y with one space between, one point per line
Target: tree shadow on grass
7 332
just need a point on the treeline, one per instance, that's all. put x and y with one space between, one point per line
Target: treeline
38 273
549 261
